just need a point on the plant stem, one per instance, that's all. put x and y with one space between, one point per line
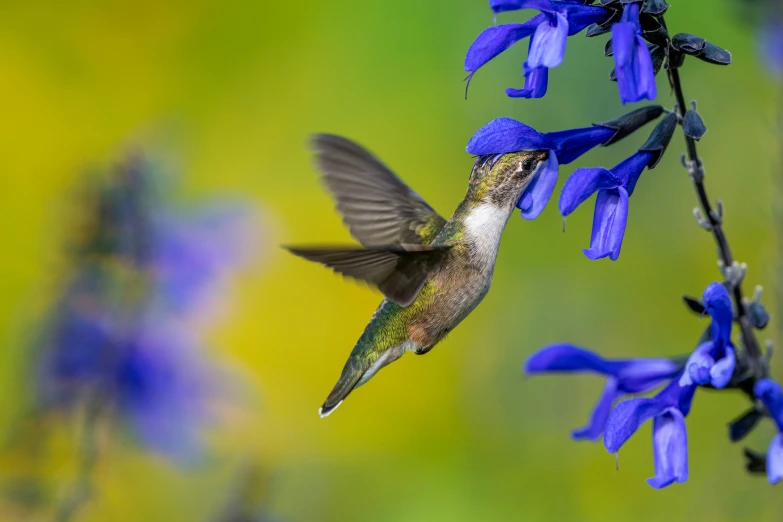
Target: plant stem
81 491
696 169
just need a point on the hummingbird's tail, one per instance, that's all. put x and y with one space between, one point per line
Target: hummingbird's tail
359 368
349 379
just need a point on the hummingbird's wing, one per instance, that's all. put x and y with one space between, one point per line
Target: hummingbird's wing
399 271
377 207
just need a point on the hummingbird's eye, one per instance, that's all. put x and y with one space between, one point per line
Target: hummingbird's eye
527 164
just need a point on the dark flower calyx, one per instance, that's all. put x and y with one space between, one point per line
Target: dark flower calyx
660 138
605 26
688 43
714 54
655 7
740 427
694 304
700 48
629 123
755 462
758 315
676 58
693 126
653 31
658 55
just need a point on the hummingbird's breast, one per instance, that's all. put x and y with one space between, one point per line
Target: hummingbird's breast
451 292
463 280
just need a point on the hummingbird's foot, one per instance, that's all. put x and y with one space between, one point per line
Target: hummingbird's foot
421 350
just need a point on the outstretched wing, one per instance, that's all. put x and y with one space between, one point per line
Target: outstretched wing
377 207
399 271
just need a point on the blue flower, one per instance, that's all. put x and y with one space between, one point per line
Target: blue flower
624 376
499 6
125 328
633 63
549 30
162 391
536 82
771 394
770 45
614 187
192 253
713 362
507 135
668 410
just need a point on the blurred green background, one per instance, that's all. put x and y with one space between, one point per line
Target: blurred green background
224 94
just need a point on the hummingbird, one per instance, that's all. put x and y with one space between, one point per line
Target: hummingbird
432 272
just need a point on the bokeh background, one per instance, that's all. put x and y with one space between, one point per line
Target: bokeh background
221 96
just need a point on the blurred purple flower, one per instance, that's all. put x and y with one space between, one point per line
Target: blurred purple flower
770 45
125 328
162 389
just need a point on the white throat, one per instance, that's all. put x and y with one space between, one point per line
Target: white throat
483 227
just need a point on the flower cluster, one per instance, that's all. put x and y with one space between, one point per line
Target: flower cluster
122 331
712 364
641 47
614 186
639 44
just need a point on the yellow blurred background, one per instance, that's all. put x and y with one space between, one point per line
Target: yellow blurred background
223 95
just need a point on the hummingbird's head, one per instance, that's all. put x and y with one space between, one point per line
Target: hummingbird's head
501 179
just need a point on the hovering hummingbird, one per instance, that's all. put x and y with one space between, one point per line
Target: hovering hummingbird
432 272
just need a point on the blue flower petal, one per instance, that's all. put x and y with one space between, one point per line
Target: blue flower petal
548 44
580 16
626 418
499 6
525 203
633 64
631 168
609 220
162 392
642 375
697 369
494 40
717 302
503 135
536 82
569 358
582 184
571 144
775 460
770 45
721 372
771 394
603 408
670 449
540 189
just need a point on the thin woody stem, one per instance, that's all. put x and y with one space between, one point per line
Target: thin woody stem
696 169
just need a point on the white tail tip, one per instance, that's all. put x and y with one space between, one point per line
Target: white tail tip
324 415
